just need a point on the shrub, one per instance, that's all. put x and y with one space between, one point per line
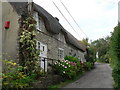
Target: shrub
115 55
116 76
88 66
15 77
76 60
68 68
65 68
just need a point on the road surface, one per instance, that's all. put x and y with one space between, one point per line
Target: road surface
100 77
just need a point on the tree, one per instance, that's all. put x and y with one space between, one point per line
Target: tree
115 55
101 46
90 52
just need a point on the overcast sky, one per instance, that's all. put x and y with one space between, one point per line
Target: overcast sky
96 18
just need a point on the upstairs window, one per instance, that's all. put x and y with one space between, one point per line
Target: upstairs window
61 53
61 37
38 20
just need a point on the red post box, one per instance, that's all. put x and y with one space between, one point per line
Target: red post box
7 24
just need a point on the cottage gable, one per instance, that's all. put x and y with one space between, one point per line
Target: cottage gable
54 41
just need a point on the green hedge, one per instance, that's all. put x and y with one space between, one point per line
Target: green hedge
115 55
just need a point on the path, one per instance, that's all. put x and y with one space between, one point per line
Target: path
100 77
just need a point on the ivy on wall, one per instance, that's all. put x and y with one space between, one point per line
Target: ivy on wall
29 55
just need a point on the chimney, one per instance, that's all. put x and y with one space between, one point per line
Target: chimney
57 19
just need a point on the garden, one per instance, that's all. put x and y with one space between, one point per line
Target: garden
22 75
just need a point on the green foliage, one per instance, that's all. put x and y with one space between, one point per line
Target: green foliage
15 77
65 68
90 56
91 51
115 55
71 67
116 76
101 46
29 55
76 60
88 66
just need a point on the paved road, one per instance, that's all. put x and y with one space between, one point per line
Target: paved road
100 77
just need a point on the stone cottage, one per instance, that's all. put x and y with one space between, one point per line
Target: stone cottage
52 39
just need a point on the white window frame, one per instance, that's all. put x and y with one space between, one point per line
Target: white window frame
60 38
38 20
60 53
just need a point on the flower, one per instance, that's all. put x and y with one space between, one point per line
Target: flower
66 60
63 71
14 64
73 63
65 67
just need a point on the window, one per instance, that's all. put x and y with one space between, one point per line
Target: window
43 48
38 20
38 45
61 53
61 37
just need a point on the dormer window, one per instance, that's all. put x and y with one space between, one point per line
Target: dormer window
38 20
61 37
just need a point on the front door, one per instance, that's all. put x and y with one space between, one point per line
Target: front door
43 55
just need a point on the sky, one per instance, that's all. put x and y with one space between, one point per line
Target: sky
96 18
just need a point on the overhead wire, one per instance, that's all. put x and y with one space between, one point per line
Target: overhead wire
72 17
66 19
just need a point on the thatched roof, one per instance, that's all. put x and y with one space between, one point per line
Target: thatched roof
51 23
20 7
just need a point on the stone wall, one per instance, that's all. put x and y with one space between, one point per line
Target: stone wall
53 44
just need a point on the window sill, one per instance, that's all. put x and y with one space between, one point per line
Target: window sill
39 29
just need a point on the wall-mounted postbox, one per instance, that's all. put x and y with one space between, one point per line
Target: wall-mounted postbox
7 24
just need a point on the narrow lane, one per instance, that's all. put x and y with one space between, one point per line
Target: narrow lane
100 77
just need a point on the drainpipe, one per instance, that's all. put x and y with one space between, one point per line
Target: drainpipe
30 2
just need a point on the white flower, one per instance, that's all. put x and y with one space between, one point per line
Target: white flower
66 63
65 67
63 71
69 65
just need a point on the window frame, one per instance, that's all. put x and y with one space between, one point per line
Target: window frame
60 53
38 21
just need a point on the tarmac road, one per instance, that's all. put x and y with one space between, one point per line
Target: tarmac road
100 77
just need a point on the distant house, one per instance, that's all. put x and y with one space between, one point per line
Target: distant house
52 39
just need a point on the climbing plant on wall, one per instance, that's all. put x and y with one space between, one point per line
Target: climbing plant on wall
29 55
